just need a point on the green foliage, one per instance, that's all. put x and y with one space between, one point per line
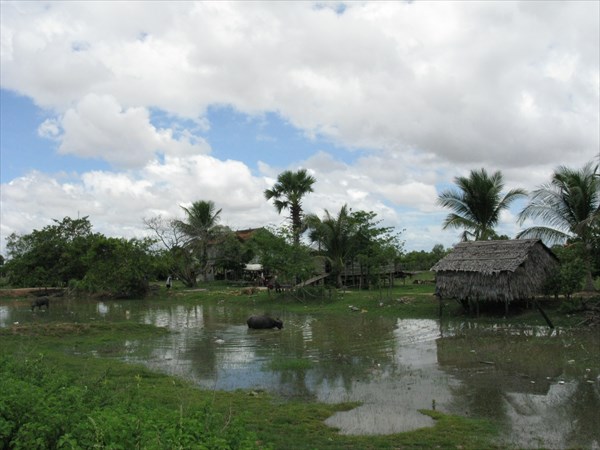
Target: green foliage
568 277
477 204
231 255
354 237
201 228
184 265
51 256
68 253
422 260
569 207
42 407
334 238
118 267
373 246
287 194
280 256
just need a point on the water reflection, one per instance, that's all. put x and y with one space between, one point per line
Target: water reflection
526 379
395 391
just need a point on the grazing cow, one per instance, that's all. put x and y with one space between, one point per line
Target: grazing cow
263 322
42 301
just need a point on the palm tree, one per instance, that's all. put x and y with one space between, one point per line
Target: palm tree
477 204
570 206
287 194
334 237
200 228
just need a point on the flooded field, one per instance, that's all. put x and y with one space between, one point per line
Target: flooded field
542 386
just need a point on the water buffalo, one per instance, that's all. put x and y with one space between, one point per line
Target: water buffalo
263 322
42 301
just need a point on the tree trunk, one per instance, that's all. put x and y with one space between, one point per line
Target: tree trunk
589 279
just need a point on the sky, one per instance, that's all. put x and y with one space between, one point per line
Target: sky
121 111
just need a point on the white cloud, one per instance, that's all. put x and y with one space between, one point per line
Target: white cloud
446 78
117 202
426 91
99 128
50 129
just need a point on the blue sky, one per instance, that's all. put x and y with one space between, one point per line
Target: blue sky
23 150
122 111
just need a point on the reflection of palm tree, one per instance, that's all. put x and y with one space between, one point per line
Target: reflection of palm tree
200 227
477 204
570 206
287 194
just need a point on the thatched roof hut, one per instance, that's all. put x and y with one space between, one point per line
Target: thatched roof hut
500 271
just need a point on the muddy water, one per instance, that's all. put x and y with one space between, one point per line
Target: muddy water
542 387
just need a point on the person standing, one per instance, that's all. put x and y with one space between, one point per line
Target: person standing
169 282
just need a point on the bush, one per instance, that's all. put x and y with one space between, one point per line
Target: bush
43 408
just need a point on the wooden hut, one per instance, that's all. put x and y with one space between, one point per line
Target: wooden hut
494 271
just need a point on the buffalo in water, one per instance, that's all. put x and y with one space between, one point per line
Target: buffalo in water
42 301
263 322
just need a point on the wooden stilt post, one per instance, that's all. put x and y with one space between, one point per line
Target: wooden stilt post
537 305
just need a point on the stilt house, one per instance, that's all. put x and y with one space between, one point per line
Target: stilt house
494 271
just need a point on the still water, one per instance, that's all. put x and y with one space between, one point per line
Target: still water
541 386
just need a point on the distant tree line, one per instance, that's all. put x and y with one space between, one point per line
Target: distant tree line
69 253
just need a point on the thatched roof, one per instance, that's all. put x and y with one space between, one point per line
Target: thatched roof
489 257
494 270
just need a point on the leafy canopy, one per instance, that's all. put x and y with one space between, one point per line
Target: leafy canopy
477 203
287 193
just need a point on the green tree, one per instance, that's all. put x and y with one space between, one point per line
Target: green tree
375 247
287 194
118 267
280 256
51 256
354 236
477 204
173 258
569 205
422 260
231 255
201 227
334 237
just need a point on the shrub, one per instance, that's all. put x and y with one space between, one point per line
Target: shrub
41 408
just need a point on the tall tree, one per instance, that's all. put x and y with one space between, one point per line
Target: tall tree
201 226
569 205
375 247
51 256
334 236
477 204
287 194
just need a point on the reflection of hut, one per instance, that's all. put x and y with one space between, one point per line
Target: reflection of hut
503 362
497 271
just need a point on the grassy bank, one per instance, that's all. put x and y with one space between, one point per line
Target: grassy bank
405 301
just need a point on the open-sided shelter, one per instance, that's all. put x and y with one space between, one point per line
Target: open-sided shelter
494 271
